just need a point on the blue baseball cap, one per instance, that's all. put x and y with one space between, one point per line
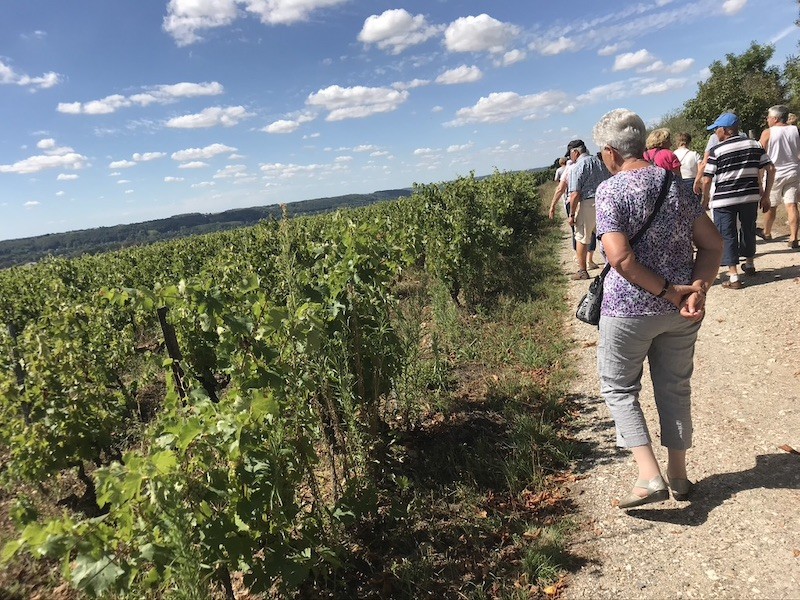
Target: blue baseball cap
727 119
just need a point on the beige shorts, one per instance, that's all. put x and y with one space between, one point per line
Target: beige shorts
784 190
585 222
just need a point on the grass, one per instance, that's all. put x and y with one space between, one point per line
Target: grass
473 508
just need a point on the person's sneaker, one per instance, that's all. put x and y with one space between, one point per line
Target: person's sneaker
748 269
581 274
732 285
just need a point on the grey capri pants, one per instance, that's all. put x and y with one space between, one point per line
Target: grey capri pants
668 343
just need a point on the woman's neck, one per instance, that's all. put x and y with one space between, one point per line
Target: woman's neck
631 164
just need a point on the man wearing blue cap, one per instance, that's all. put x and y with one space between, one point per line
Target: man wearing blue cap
737 165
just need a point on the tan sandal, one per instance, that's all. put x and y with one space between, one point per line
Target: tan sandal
656 492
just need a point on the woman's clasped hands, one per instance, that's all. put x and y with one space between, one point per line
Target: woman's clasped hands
690 299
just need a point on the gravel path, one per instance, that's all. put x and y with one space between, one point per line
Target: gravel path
739 537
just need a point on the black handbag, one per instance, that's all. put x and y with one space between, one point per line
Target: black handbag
589 306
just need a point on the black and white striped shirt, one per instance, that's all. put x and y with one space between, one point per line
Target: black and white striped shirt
734 164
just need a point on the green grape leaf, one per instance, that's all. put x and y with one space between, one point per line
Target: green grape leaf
95 576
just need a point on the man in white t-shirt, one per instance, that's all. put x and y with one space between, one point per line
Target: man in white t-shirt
782 143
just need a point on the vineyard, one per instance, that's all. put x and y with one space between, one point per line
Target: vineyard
234 413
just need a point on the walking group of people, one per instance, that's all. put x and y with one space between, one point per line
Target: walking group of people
647 205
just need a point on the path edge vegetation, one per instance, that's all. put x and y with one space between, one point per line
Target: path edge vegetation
447 485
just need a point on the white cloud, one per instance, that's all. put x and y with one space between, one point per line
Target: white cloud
679 66
462 74
731 7
123 181
437 109
562 44
211 117
660 87
395 30
204 184
460 148
194 164
186 17
479 34
633 60
634 86
66 177
656 66
783 33
231 172
408 85
164 94
615 30
608 91
503 106
512 57
60 193
424 151
9 76
69 108
356 102
121 164
170 179
31 203
160 94
365 148
53 158
609 49
284 171
381 154
202 153
281 126
36 35
128 191
148 156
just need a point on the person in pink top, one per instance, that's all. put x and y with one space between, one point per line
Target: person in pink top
782 143
658 151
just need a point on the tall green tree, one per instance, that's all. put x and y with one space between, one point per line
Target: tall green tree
791 74
744 84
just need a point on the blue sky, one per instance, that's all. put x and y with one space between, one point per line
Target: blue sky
122 111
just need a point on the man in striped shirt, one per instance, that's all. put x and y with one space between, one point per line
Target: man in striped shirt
737 165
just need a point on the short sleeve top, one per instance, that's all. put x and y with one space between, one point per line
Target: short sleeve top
664 158
624 202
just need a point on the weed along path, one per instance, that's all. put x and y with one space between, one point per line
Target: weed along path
739 536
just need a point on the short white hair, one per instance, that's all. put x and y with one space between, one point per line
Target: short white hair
623 130
780 112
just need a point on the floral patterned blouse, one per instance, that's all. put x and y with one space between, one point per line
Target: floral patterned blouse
624 202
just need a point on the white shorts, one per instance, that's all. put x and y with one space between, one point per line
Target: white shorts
585 222
784 190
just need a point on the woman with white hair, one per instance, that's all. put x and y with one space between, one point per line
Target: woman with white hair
653 303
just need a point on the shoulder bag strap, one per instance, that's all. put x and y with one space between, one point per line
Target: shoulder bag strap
659 201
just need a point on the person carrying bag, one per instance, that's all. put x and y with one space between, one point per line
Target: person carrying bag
589 306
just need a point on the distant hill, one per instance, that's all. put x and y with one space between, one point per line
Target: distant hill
103 239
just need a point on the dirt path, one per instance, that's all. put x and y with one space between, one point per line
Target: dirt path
739 537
